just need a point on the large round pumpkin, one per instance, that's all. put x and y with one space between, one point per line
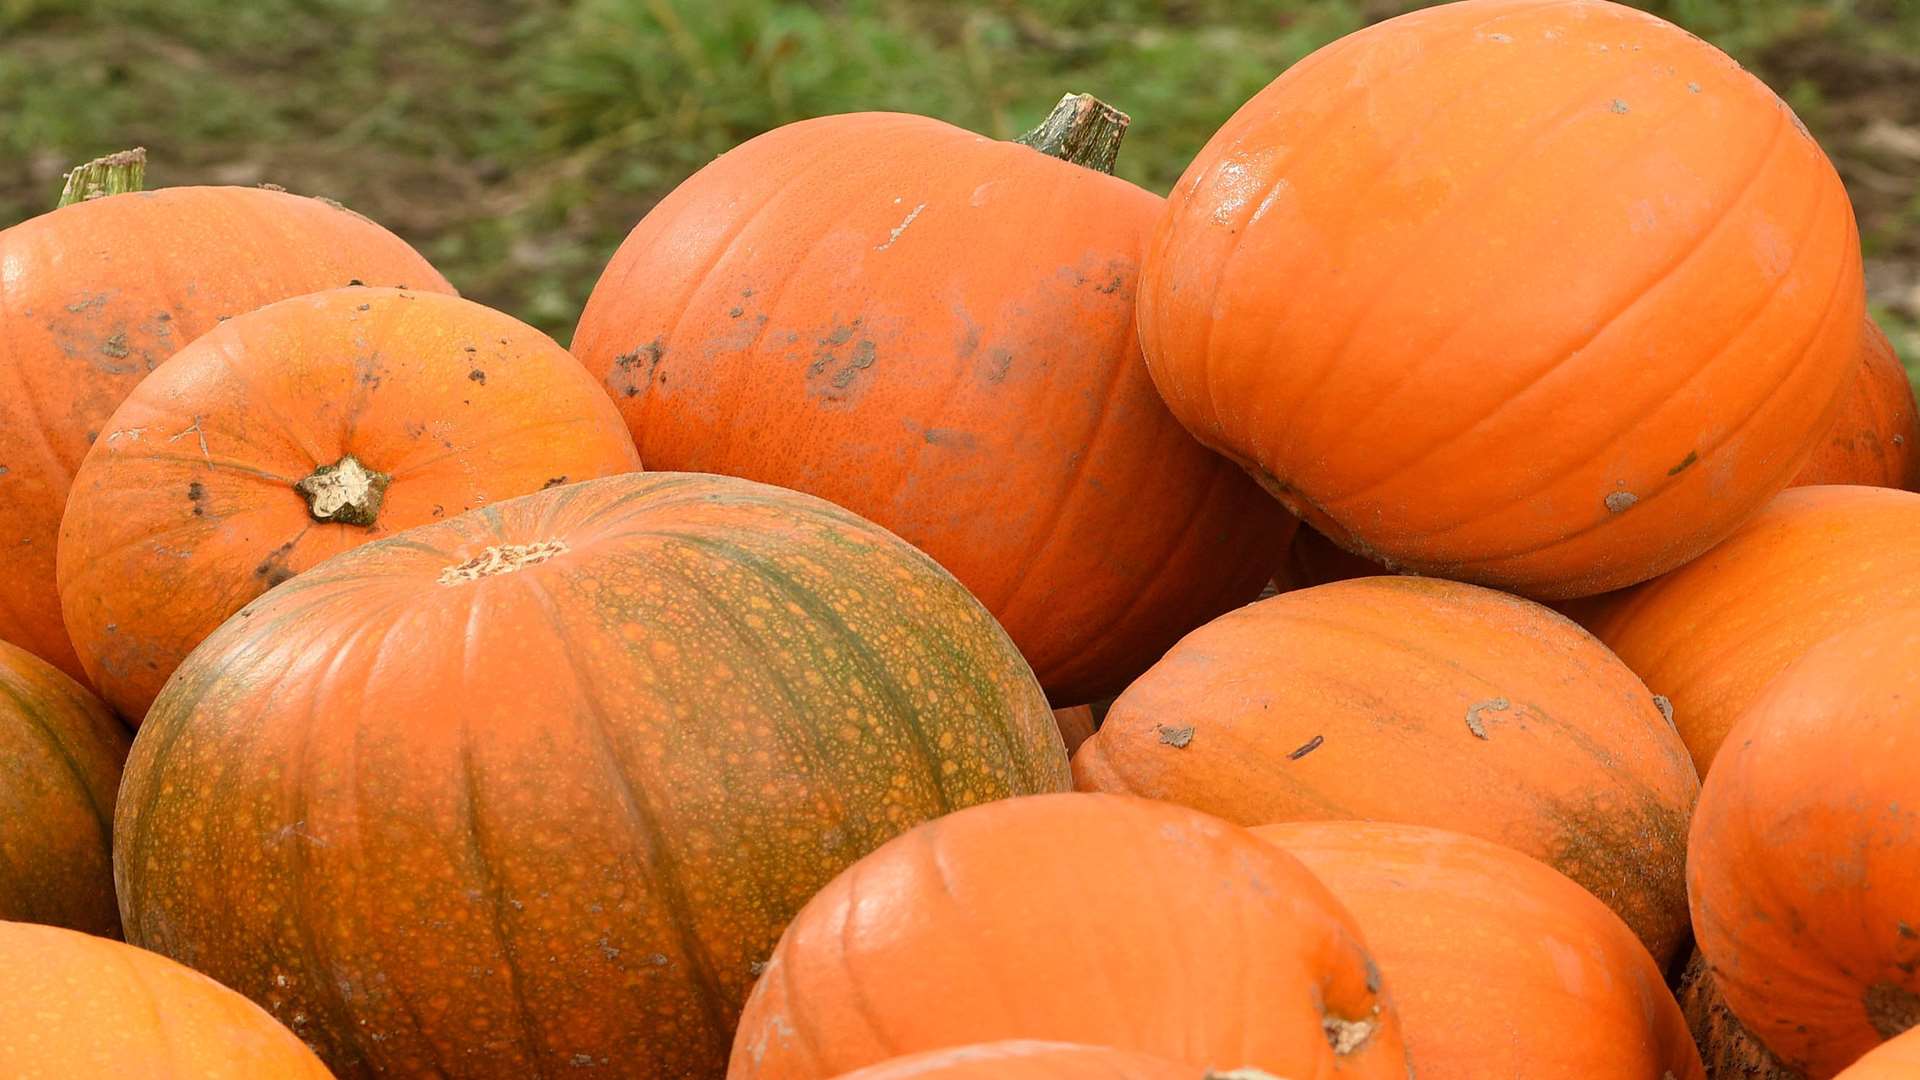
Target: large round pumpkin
1543 295
1710 635
314 425
96 295
1426 702
60 757
1805 896
78 1007
538 786
1028 1059
1875 437
935 330
1557 984
1093 919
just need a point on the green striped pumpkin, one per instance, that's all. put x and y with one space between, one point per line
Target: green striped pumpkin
539 786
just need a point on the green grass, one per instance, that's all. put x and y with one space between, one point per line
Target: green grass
516 141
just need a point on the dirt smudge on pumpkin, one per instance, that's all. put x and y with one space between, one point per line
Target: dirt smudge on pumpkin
839 361
197 494
553 482
633 371
1628 848
998 362
1176 737
478 376
1685 463
1892 1009
1620 501
951 437
1347 1036
274 569
1306 748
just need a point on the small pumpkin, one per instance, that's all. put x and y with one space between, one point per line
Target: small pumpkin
540 784
1028 1059
76 1006
1426 702
1800 869
1875 437
314 425
1558 985
96 295
1102 920
60 758
1543 295
934 329
1710 635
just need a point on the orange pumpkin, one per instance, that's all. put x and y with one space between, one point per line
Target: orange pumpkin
313 425
1542 295
1800 869
1875 438
1559 986
1895 1059
1026 1059
935 330
1426 702
96 295
1113 922
75 1006
60 757
1710 635
539 785
1076 724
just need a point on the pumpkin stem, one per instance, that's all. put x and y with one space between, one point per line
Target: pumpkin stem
1082 130
110 175
346 491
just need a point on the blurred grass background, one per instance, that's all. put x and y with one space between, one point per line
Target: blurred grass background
516 141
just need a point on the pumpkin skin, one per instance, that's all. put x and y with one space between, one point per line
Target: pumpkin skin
589 748
935 330
1023 1059
1895 1059
1095 919
1875 437
1711 635
459 404
1544 296
73 1005
97 294
1076 724
1800 863
1281 712
1559 985
60 758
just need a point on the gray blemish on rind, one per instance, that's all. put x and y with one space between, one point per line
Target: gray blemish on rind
1176 737
1619 501
1619 106
1477 726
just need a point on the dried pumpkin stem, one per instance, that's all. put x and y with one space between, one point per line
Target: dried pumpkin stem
1083 130
110 175
346 492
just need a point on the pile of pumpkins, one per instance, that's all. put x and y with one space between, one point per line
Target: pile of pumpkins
400 725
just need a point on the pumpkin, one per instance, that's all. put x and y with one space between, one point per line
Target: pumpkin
1727 1048
1558 985
1548 296
1102 920
1800 867
1026 1059
316 424
537 787
77 1006
1895 1059
1875 438
1710 635
96 295
60 757
1425 702
935 330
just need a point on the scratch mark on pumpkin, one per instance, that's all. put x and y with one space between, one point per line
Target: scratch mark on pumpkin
1665 705
1310 746
902 227
194 430
1685 462
1475 724
129 434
